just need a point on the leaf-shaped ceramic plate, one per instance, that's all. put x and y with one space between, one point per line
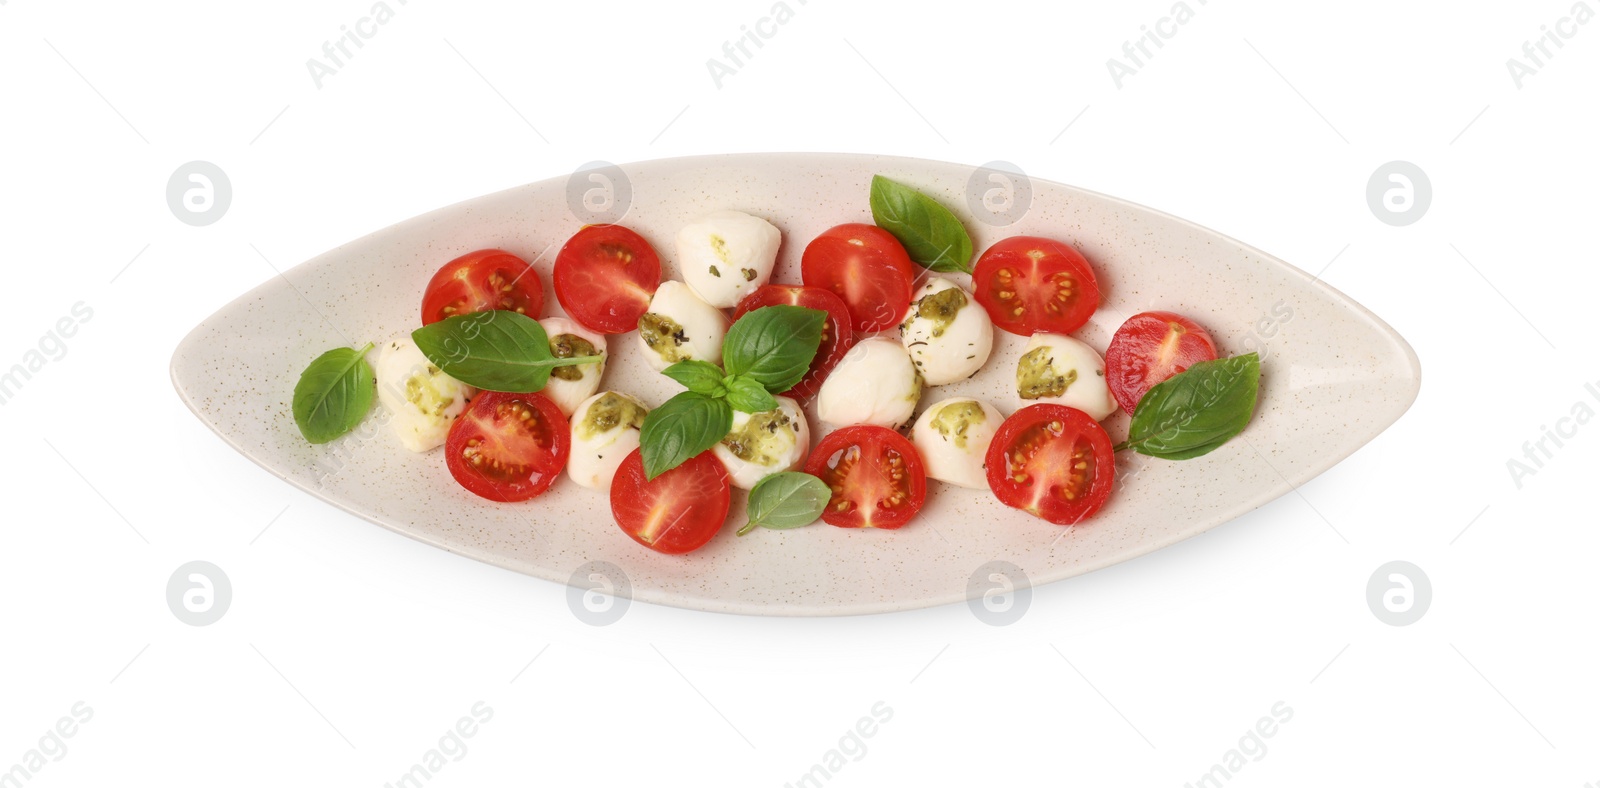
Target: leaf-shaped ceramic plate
1334 376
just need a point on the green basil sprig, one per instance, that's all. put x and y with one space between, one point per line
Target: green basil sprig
681 428
747 396
765 352
931 234
1196 410
786 500
701 377
774 345
333 394
497 350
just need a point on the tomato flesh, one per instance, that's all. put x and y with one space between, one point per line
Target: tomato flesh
1029 284
866 268
837 337
676 512
1151 347
1053 462
876 476
604 277
481 281
508 447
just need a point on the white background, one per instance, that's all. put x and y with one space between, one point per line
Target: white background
348 651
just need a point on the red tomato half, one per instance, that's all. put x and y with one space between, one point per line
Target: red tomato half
508 447
1053 462
480 281
876 476
867 268
676 512
605 275
1032 284
837 337
1151 347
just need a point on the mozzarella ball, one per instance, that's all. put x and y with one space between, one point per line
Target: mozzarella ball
875 383
953 436
605 430
947 333
569 386
1057 368
761 444
680 325
422 401
726 255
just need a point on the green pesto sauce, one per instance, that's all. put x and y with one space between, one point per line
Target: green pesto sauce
663 335
764 438
941 308
719 247
915 394
953 420
422 392
570 346
1036 377
611 410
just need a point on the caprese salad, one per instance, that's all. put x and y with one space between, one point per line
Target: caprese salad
516 397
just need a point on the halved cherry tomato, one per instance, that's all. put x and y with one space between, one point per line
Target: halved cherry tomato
508 447
676 512
1053 462
867 268
605 275
1030 284
1151 347
837 337
876 475
480 281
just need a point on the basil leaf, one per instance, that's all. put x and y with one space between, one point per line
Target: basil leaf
786 500
747 396
333 394
1196 410
498 350
774 345
681 428
931 234
701 377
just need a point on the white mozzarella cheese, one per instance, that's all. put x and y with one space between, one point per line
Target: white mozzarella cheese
726 255
953 436
947 333
680 325
422 401
605 430
875 383
761 444
1057 368
569 386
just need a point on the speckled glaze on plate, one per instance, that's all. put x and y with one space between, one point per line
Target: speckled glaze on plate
1334 376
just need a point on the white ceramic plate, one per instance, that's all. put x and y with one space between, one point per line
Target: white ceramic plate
1334 376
